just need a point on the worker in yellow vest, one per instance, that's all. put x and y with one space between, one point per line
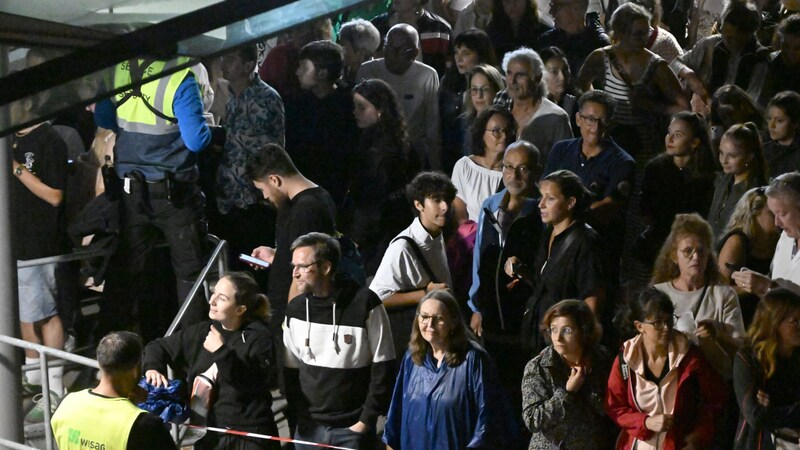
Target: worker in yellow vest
104 418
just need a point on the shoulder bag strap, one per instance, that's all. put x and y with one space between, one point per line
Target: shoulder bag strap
420 257
696 307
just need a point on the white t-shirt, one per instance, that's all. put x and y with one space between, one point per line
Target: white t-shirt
399 269
785 269
475 184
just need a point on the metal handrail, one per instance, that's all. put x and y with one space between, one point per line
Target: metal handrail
43 365
218 256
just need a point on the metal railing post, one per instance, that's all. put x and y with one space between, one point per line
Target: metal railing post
10 413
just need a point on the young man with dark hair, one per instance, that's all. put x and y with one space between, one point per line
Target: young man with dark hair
338 389
321 128
785 71
302 207
106 416
415 261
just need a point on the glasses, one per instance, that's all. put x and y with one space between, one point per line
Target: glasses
426 319
564 332
498 132
519 170
399 50
643 33
480 92
659 325
303 268
592 121
689 252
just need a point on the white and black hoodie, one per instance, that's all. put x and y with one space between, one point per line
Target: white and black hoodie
339 356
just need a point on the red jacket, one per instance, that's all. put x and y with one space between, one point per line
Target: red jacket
700 396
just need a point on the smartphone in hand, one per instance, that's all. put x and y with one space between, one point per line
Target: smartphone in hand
251 260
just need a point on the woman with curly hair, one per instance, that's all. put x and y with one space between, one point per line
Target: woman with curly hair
707 310
749 241
564 386
374 209
765 375
447 394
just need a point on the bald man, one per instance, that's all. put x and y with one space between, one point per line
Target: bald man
416 86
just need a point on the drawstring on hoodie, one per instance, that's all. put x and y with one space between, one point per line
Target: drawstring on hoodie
308 333
335 331
335 336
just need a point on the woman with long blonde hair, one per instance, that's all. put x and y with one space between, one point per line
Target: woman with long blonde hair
765 375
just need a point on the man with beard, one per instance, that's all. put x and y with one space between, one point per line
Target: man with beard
302 207
337 387
509 225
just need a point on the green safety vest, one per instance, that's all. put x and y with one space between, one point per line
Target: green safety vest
148 108
88 421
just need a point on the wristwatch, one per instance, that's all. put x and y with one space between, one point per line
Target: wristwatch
18 170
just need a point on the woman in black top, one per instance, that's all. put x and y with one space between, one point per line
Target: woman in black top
782 151
567 263
678 181
743 168
560 88
234 349
514 24
749 241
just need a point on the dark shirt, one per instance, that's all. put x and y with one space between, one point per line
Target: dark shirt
726 196
38 227
505 39
320 134
576 46
782 77
310 210
608 174
782 158
577 273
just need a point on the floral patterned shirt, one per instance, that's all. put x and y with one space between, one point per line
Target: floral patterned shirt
253 119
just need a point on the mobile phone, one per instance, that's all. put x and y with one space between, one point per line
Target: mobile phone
251 260
734 267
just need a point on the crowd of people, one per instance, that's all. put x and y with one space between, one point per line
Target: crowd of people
527 233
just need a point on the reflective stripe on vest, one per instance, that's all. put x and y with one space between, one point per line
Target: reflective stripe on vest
88 421
133 115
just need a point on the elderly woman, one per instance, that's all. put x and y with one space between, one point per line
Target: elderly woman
765 375
478 176
743 168
783 199
564 386
662 393
645 88
707 310
749 242
447 394
234 350
360 40
568 262
540 121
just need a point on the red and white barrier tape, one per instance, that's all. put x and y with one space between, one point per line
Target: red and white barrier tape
266 436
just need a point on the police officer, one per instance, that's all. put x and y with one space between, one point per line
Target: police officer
160 128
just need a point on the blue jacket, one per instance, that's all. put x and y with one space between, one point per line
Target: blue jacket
489 294
449 408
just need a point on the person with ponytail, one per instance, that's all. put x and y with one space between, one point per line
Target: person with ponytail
765 375
743 168
568 261
234 350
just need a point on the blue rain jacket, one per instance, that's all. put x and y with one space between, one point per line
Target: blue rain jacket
450 408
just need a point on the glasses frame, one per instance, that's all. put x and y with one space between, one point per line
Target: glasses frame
303 268
425 319
664 323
